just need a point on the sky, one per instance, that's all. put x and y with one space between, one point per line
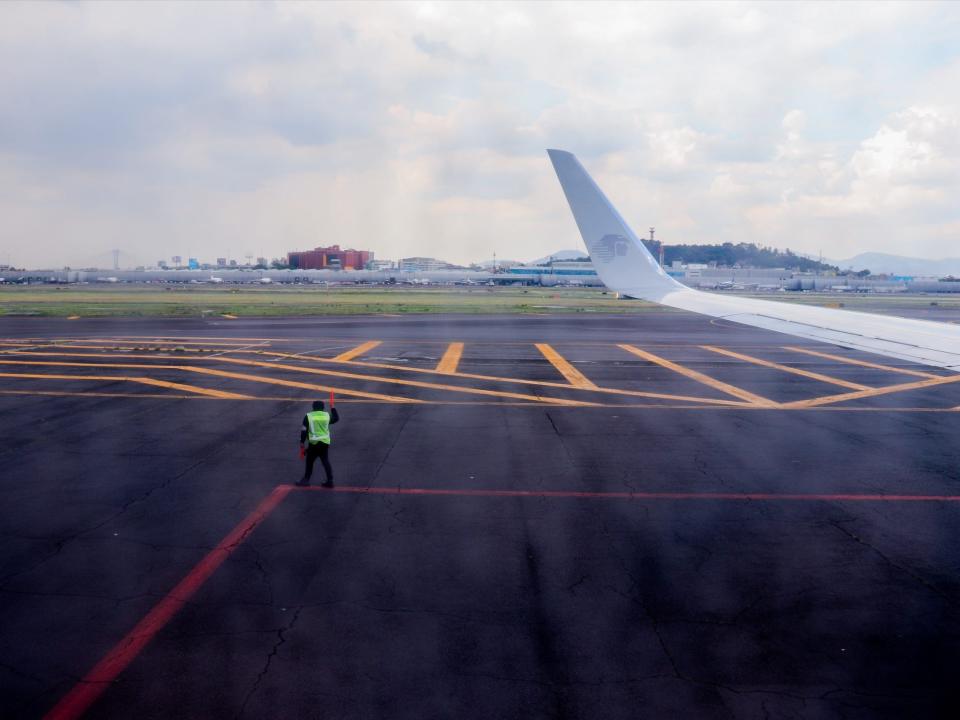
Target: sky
232 129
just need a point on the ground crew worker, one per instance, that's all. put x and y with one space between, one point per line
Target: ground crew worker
316 432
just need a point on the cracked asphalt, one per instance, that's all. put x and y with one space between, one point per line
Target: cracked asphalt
352 605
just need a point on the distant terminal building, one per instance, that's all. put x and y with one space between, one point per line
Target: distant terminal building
329 258
381 265
422 264
564 268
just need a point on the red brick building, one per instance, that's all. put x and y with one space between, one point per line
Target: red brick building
329 258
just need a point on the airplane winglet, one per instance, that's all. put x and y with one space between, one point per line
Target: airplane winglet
621 260
625 265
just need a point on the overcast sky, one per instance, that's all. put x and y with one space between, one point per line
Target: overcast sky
215 129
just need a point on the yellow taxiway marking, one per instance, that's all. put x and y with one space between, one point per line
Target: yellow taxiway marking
872 392
239 349
787 368
197 337
181 338
464 403
572 375
109 342
862 363
467 403
141 380
66 393
24 348
173 396
398 381
294 383
451 358
700 377
313 371
192 388
520 381
221 373
129 347
380 378
358 350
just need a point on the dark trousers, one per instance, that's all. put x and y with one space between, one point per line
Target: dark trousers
320 450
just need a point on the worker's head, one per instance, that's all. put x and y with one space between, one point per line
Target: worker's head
318 404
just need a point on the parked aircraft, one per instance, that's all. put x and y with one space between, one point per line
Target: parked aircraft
627 267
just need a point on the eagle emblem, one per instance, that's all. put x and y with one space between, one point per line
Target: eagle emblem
609 247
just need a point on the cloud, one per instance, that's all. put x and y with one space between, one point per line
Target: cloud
209 129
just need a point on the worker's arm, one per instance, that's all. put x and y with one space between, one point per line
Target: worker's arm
303 431
334 416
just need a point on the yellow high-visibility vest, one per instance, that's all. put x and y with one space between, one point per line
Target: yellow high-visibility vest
318 427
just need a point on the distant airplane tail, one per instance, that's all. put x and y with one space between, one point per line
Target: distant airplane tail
621 260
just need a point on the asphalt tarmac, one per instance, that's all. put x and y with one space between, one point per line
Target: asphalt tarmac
565 516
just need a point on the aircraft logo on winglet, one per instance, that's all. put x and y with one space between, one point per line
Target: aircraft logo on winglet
608 247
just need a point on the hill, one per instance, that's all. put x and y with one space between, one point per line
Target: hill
725 255
560 255
743 254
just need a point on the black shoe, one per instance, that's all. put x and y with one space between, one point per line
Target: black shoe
327 484
302 483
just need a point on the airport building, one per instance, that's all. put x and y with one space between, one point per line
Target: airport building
569 270
422 264
381 265
324 265
329 258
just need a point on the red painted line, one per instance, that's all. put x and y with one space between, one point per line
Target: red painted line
835 497
85 693
75 703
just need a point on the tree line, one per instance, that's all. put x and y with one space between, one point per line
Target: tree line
742 254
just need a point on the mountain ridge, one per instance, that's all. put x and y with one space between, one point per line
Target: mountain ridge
877 262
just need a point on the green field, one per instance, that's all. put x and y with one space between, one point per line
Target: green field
197 301
192 301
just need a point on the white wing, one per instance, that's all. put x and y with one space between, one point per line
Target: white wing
625 265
